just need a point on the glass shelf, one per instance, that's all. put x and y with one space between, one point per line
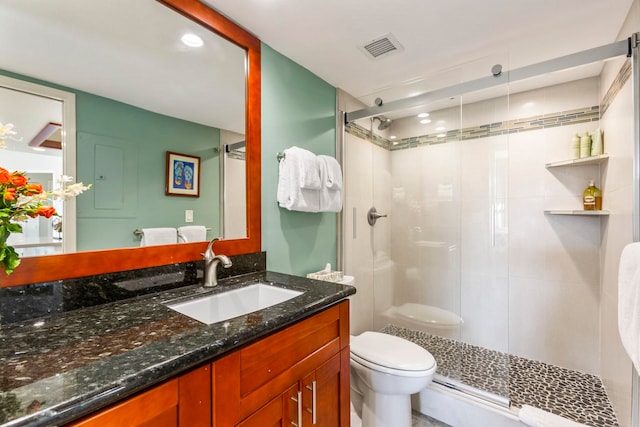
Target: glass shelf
575 212
593 160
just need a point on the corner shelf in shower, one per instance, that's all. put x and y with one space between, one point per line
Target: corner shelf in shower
593 160
575 212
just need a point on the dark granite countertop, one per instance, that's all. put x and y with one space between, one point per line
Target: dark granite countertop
56 369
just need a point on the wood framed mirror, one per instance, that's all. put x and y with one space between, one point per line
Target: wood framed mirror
65 266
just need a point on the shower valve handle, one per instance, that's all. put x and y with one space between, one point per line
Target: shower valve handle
373 215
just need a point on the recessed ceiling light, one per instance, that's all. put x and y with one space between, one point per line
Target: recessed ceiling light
425 121
392 137
440 128
395 142
38 149
192 40
422 115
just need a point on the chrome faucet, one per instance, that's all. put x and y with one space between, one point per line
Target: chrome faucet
211 262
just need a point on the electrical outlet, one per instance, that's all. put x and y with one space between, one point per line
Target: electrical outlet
188 215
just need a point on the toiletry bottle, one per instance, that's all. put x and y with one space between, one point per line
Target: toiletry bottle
585 145
592 198
597 147
575 146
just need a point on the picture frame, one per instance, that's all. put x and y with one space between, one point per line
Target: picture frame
182 175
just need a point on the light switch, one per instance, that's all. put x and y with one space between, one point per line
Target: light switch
188 215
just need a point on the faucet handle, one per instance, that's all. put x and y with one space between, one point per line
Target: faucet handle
209 252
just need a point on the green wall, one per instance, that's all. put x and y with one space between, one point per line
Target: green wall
143 138
298 108
107 216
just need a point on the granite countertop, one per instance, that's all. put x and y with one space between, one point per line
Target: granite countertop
56 369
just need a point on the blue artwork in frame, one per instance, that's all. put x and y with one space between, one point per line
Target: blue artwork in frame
183 175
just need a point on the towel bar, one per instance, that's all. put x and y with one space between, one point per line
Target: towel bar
280 156
139 232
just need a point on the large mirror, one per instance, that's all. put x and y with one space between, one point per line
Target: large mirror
140 92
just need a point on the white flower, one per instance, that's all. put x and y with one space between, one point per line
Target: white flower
68 191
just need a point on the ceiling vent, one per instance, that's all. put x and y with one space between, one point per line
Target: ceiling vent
382 46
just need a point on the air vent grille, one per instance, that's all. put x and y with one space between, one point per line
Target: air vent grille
382 46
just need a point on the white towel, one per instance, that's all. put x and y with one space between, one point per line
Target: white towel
629 301
331 192
291 195
159 236
308 166
535 417
192 233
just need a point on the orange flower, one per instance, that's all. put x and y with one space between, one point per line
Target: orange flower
34 188
46 211
18 179
5 176
10 194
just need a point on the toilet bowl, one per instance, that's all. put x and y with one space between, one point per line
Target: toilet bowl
385 371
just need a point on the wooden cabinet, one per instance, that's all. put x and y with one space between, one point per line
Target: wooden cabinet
300 372
183 401
157 407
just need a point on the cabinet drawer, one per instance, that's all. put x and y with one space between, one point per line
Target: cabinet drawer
263 361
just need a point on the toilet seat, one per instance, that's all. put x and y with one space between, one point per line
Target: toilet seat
391 354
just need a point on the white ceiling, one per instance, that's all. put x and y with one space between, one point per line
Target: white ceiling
129 51
445 42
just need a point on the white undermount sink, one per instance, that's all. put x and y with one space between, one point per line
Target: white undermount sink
237 302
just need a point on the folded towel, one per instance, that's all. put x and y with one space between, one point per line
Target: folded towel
308 166
159 236
291 195
192 233
333 172
331 192
535 417
629 301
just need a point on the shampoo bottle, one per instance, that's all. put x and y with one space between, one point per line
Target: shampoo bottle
592 198
575 146
585 145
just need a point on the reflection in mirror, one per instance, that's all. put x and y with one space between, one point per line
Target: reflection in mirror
235 188
139 93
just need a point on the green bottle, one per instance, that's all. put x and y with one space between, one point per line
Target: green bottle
592 198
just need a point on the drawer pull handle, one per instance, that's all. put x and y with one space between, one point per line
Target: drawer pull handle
298 400
312 411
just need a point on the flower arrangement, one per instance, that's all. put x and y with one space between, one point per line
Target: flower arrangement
21 200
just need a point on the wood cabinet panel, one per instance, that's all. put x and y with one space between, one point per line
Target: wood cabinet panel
194 408
157 407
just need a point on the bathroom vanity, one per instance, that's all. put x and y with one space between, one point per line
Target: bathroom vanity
137 362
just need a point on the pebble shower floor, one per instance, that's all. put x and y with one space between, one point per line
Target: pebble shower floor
574 395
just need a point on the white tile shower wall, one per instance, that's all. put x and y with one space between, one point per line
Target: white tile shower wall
530 282
615 366
367 249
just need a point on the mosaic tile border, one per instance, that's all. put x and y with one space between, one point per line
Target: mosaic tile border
563 118
616 86
573 395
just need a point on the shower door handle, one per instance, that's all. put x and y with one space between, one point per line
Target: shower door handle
373 215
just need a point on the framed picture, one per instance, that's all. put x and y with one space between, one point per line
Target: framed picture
183 175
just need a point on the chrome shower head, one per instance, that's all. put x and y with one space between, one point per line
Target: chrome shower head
384 122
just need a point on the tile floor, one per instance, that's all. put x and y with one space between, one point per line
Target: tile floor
574 395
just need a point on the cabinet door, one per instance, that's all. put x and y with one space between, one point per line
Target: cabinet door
270 415
325 391
157 407
194 409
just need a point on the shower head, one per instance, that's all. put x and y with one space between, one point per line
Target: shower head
384 122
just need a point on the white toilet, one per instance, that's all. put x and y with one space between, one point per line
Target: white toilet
385 371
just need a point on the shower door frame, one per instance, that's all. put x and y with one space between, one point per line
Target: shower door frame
628 47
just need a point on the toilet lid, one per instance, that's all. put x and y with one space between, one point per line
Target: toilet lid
391 352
